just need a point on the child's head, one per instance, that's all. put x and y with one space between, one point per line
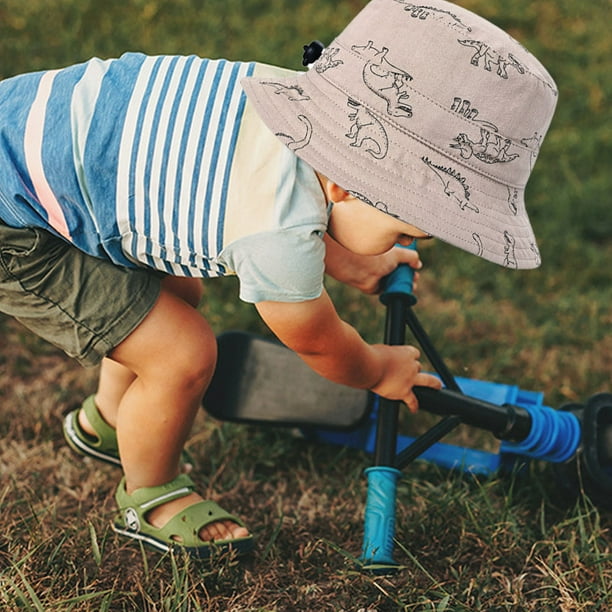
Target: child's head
361 228
429 113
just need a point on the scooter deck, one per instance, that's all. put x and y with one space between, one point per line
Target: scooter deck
260 381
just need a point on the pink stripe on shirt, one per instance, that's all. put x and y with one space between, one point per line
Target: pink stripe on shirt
34 132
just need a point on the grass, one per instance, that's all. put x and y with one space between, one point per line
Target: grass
508 543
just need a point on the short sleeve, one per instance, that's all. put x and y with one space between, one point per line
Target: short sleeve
286 265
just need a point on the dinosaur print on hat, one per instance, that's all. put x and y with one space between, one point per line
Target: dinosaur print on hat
492 59
424 12
454 185
328 60
385 80
367 131
492 148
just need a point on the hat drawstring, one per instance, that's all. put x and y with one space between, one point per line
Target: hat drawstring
312 52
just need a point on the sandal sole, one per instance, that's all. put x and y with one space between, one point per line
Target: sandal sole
241 547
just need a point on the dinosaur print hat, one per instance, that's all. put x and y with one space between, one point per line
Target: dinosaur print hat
427 112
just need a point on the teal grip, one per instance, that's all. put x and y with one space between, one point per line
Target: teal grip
400 282
379 531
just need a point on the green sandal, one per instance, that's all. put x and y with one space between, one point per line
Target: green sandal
181 531
103 446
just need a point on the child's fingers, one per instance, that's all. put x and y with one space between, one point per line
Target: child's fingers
421 380
408 256
427 380
412 403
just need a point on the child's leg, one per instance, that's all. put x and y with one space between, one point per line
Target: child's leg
86 306
115 379
173 354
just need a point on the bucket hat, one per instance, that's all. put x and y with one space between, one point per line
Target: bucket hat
427 112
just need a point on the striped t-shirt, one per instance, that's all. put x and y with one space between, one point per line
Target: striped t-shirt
162 162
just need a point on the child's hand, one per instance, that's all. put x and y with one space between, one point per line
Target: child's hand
381 266
401 371
335 350
365 272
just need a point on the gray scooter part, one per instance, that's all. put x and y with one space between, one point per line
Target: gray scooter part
262 382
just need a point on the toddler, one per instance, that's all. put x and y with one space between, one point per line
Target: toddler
126 181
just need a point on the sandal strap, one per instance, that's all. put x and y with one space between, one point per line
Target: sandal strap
104 441
186 525
107 436
147 498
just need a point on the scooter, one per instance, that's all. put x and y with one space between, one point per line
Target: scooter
251 385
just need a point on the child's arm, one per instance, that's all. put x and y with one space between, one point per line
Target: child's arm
336 351
365 272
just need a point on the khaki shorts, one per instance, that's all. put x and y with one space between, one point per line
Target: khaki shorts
83 305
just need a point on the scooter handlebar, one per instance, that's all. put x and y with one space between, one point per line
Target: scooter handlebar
400 282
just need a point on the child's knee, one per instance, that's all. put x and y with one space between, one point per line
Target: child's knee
191 356
174 345
197 358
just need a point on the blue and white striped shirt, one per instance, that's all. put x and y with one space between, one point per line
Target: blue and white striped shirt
162 162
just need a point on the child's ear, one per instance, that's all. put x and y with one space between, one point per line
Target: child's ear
335 193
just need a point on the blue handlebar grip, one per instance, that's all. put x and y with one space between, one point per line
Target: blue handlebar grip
400 281
379 533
